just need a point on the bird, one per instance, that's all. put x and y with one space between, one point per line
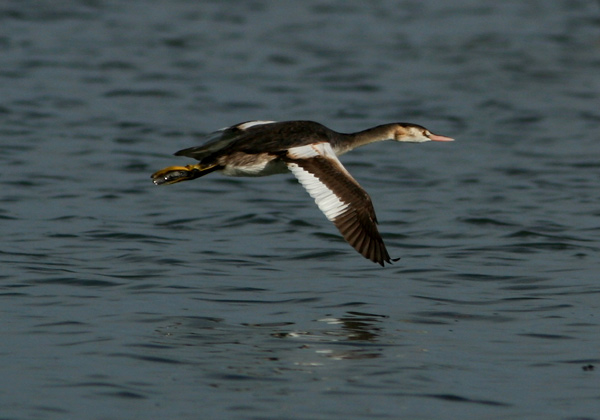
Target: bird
310 151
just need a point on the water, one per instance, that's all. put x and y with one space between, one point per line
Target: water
236 298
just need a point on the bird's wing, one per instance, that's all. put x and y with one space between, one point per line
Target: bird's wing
220 139
339 196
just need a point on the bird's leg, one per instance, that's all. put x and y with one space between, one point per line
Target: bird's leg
173 174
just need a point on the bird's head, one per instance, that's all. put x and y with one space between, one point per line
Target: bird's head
413 133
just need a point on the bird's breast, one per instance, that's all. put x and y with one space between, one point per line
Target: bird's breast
243 164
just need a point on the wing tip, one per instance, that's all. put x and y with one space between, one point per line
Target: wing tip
388 260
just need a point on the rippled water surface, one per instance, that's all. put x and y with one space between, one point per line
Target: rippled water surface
236 298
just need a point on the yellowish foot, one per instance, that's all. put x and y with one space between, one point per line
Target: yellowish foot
174 174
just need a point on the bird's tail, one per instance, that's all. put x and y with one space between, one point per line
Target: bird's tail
174 174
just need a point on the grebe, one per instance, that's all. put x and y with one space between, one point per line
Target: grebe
309 150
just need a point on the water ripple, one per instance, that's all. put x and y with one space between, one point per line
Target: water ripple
239 290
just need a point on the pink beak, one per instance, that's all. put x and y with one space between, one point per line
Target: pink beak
435 137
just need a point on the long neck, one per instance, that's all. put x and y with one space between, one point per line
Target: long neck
371 135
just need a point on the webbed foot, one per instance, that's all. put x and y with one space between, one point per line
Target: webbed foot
174 174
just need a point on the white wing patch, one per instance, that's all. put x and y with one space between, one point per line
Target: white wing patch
328 202
312 150
246 125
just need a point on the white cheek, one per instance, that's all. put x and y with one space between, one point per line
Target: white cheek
420 139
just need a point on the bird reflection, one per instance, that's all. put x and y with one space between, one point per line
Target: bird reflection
356 329
357 326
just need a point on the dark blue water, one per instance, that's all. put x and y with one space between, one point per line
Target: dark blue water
236 298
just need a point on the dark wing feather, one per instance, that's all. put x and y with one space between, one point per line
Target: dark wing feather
325 178
255 137
222 138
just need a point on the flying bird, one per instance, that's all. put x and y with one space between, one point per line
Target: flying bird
310 151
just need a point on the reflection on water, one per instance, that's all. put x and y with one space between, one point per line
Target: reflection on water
357 326
354 327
